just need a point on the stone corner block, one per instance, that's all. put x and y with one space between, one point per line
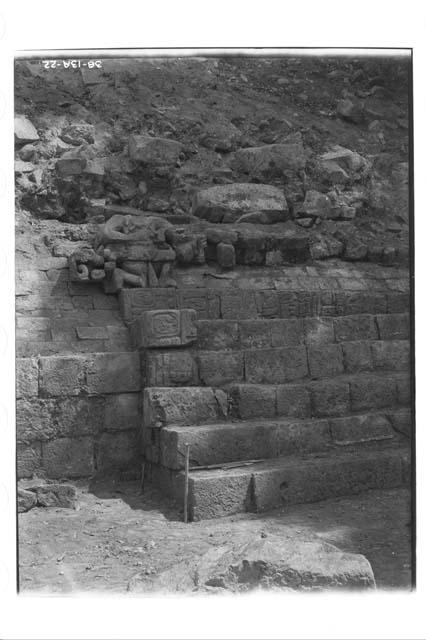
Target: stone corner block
165 328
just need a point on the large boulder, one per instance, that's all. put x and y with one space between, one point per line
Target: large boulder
227 203
25 131
154 151
271 159
288 562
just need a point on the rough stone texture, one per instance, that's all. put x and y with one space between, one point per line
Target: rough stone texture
26 500
250 440
257 162
62 375
55 495
325 360
255 334
227 203
204 301
360 327
169 369
226 255
220 367
183 406
403 387
25 131
394 326
208 498
165 328
357 356
372 392
275 365
253 401
154 151
39 419
391 354
69 457
217 334
239 305
293 401
330 398
365 428
314 478
287 564
113 373
286 333
26 377
318 331
122 411
117 451
402 422
28 459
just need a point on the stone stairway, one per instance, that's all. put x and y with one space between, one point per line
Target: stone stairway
283 396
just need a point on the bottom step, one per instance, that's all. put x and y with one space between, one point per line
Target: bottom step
260 486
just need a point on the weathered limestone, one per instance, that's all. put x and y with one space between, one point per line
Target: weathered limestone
222 443
183 406
285 562
259 162
227 203
165 328
25 131
262 486
154 151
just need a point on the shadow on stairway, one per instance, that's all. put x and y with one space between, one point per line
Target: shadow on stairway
152 499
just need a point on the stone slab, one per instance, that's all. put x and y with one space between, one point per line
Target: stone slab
69 457
26 377
183 406
361 428
165 328
272 366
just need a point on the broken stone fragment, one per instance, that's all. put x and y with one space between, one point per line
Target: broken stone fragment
24 167
227 203
55 495
77 134
351 110
26 500
154 151
25 131
226 255
316 205
323 248
70 165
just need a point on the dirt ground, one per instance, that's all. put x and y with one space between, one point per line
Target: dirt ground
117 534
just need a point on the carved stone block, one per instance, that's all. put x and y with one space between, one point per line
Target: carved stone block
165 328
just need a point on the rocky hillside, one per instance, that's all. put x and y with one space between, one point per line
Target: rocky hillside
330 133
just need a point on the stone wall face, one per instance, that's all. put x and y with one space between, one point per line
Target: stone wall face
77 380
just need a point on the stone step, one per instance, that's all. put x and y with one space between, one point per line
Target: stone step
334 397
264 302
224 335
274 365
294 480
253 440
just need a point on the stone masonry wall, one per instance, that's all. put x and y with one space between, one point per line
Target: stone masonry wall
77 380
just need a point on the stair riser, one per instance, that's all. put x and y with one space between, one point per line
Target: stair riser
245 304
304 482
188 406
231 335
272 366
218 444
